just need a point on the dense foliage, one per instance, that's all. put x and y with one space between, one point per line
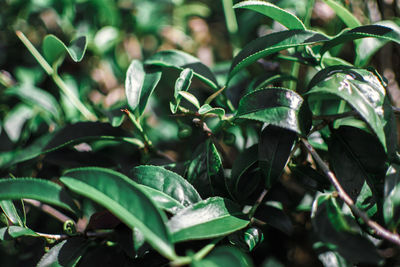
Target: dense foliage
199 133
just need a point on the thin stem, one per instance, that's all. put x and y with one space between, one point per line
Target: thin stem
231 24
257 203
378 229
56 78
137 125
336 116
48 209
53 237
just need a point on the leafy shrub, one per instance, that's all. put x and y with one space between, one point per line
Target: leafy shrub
200 166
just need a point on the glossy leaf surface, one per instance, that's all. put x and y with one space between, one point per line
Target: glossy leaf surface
167 182
181 60
54 48
10 211
125 200
38 189
272 43
274 12
140 84
276 106
209 218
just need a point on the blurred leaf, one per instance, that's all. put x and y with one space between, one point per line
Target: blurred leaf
276 106
181 84
332 226
209 218
168 182
39 189
15 121
53 48
376 31
364 92
66 253
345 15
10 211
367 47
272 43
125 200
391 198
224 256
274 12
181 60
273 151
140 84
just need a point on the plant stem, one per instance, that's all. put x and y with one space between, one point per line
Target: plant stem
257 203
137 125
378 229
48 209
231 24
56 78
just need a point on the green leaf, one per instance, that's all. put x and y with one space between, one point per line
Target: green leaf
273 152
376 31
364 92
391 197
54 49
17 231
168 182
225 256
69 135
367 47
247 239
209 218
140 84
274 12
66 253
39 189
10 211
345 15
333 227
181 60
162 200
182 84
205 171
272 43
276 106
122 197
191 98
207 109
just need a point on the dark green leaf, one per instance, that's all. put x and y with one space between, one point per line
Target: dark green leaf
247 239
333 227
140 84
181 60
182 84
272 43
391 203
125 200
277 106
274 12
364 92
39 189
66 253
273 214
273 152
168 182
162 200
224 256
209 218
376 31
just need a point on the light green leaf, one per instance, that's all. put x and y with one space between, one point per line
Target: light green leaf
207 109
38 189
274 12
191 98
162 200
54 49
140 84
122 197
345 15
17 231
10 211
181 84
225 256
272 43
209 218
181 60
168 182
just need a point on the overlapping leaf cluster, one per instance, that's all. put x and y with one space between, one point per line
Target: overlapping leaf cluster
212 197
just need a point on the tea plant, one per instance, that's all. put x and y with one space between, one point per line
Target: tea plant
205 184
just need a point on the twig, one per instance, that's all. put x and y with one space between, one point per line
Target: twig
378 229
257 222
336 116
53 237
48 209
257 203
64 236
